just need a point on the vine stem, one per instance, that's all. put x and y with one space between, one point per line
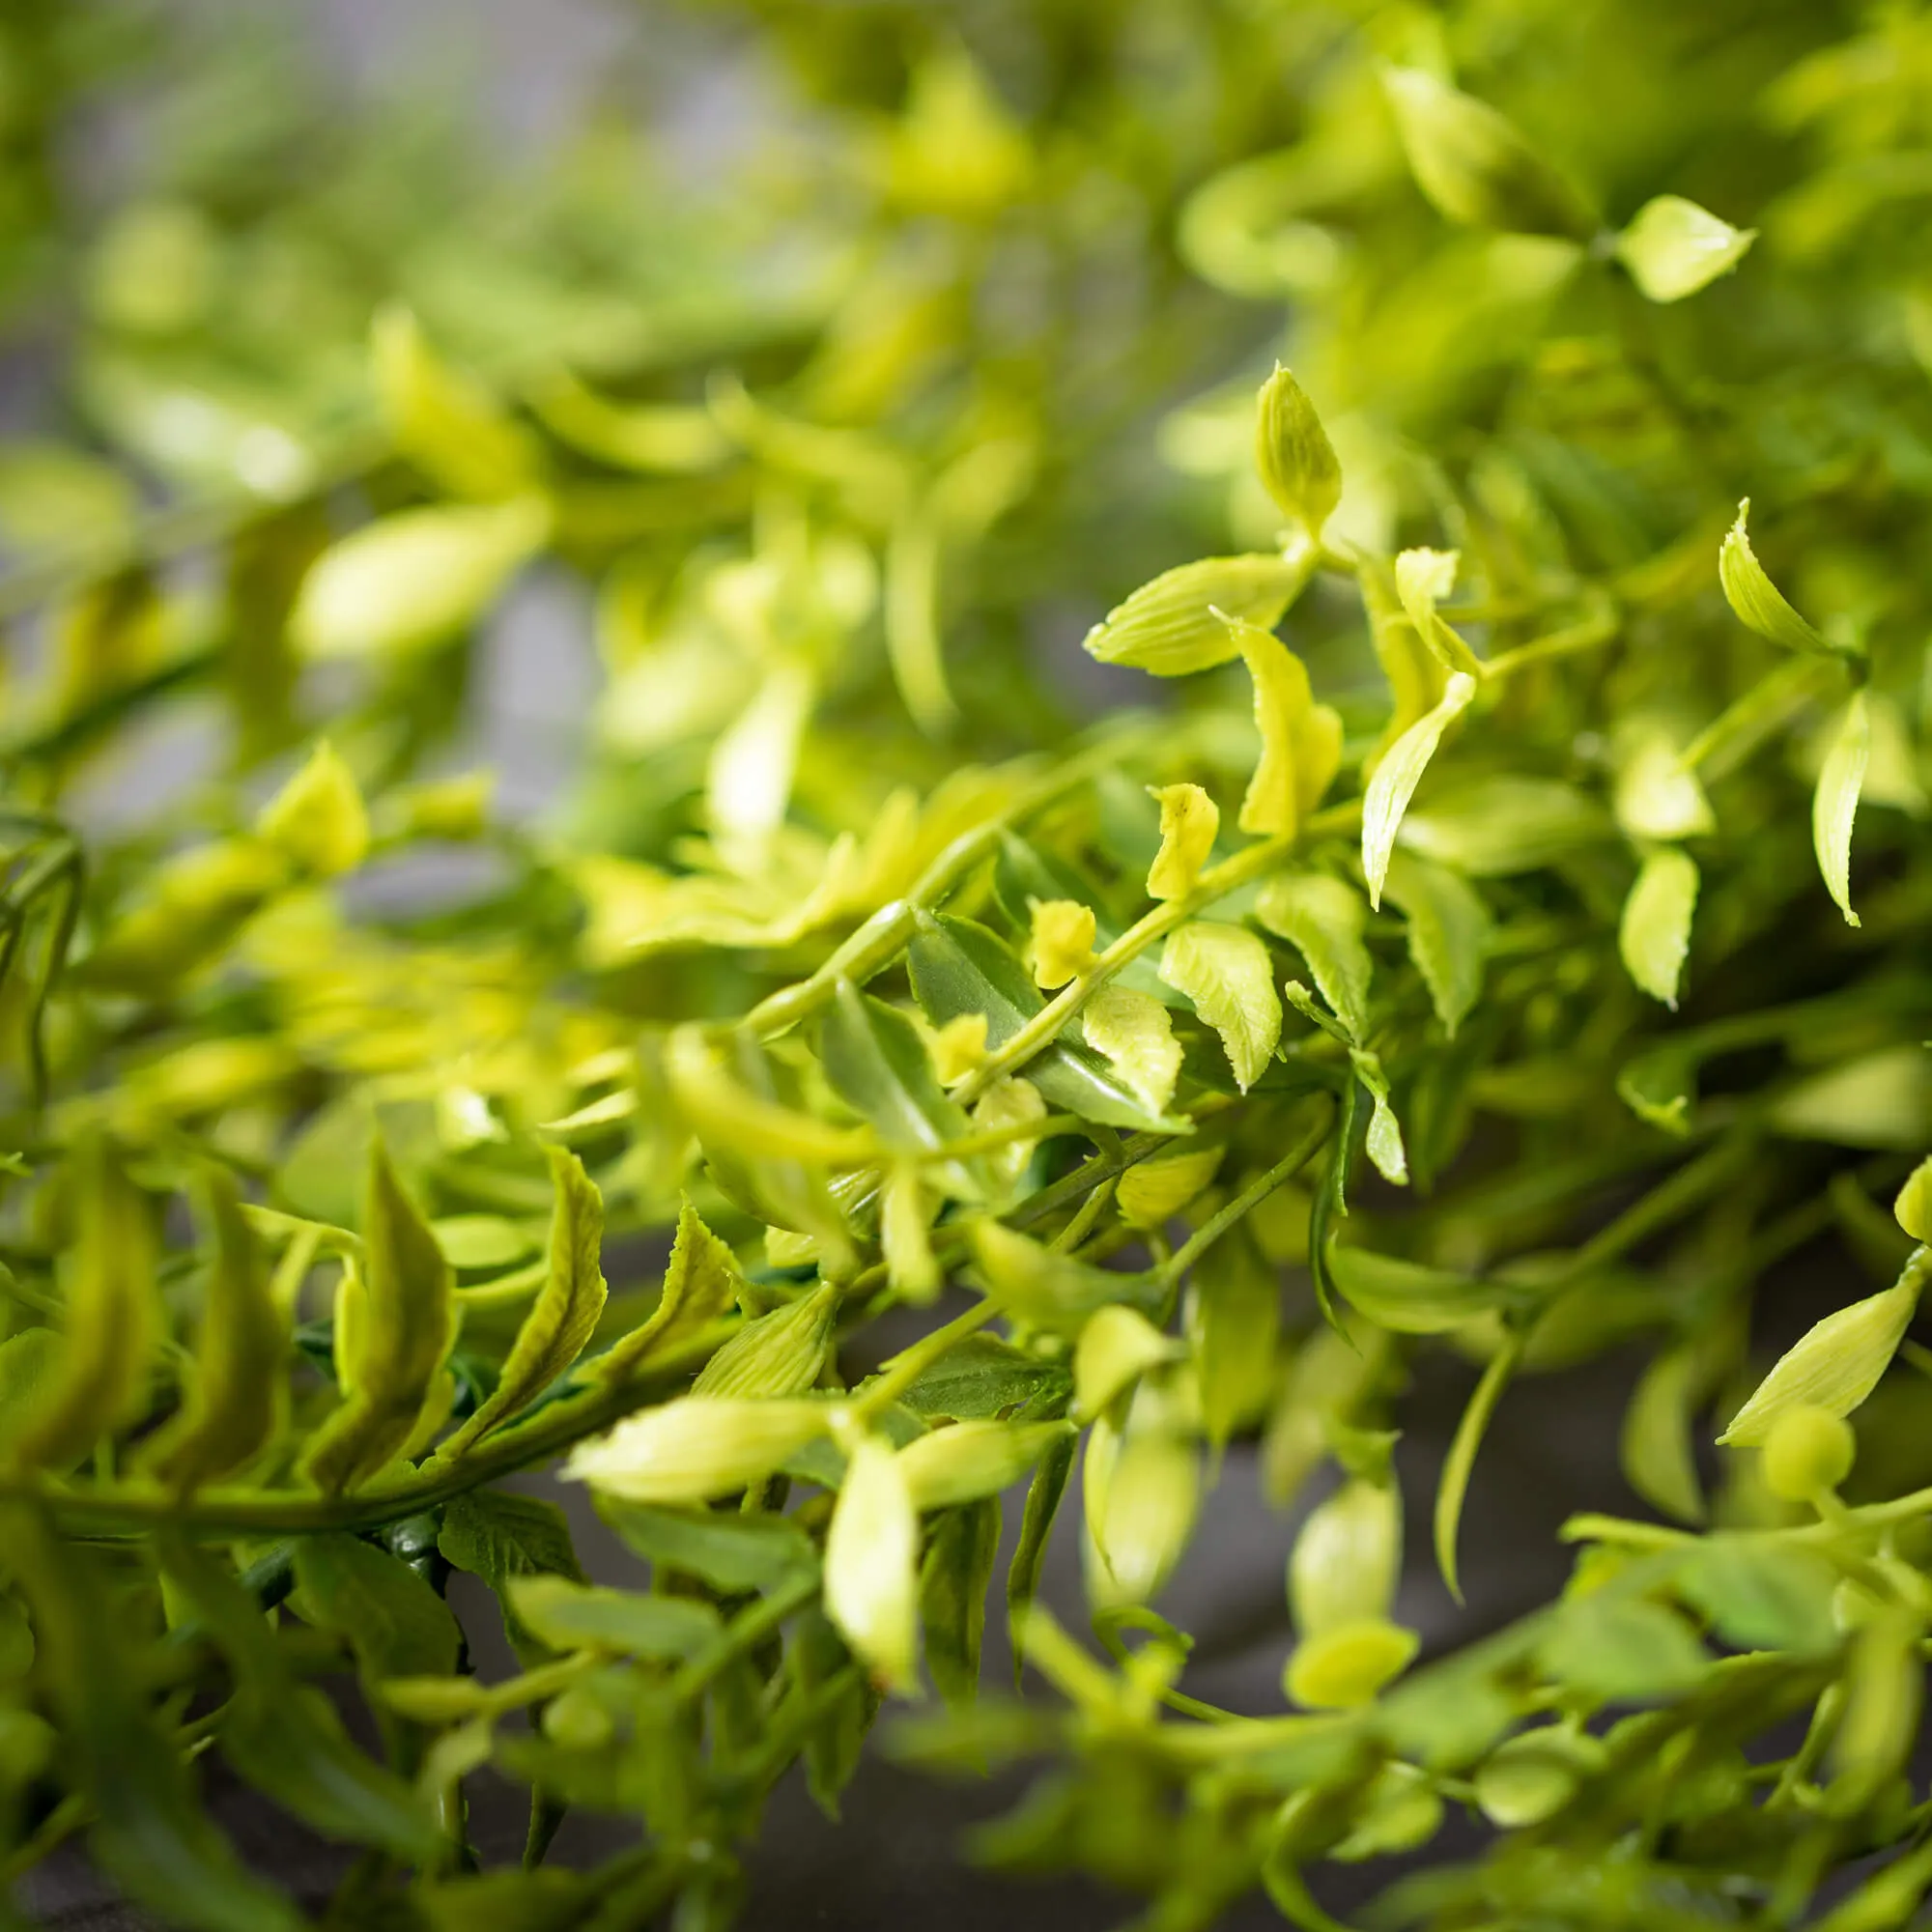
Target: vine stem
1251 1196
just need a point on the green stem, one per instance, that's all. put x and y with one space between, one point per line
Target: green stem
1251 1196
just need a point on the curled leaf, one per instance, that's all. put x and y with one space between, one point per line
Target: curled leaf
1835 802
1301 741
1135 1033
1754 598
1398 774
1061 944
1188 822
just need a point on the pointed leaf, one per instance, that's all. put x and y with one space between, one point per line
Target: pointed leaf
1170 626
1654 934
1225 970
1323 918
1835 802
1448 931
1397 776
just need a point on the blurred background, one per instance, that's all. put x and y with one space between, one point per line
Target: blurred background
949 317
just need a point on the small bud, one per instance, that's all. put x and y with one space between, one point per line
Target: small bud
1178 624
575 1719
1807 1452
1062 941
1345 1666
1296 460
1531 1776
317 819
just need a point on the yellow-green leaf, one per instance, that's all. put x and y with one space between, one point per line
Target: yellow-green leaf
564 1314
1188 822
1673 247
317 819
1474 165
1423 578
1837 1362
1135 1033
1115 1349
413 578
1151 1192
968 1460
1448 931
237 1393
1061 944
778 1355
406 1324
446 423
1225 970
1347 1558
871 1565
1913 1205
1654 934
1398 774
1175 625
1301 741
1323 918
696 1447
1835 802
1754 598
701 1282
99 1379
1297 461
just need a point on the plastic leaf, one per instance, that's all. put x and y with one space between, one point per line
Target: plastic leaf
1347 1558
877 1062
1297 461
112 1323
1060 944
778 1355
952 1584
701 1282
1045 1288
1656 1450
1448 931
393 1621
871 1556
1396 777
451 427
1654 934
1657 796
1150 1498
318 820
1023 1573
905 1237
725 1113
1188 822
1837 1362
1226 972
566 1615
236 1392
1173 625
1913 1205
1422 579
1405 1296
695 1447
749 779
1474 165
1301 741
1835 802
413 578
966 1460
1115 1349
1233 1323
406 1325
497 1535
1322 917
728 1550
1452 1485
1383 1140
1152 1192
1673 247
565 1313
1754 598
1135 1033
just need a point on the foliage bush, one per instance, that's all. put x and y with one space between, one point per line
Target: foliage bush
1502 929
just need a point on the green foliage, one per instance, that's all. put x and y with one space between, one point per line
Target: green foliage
1497 813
